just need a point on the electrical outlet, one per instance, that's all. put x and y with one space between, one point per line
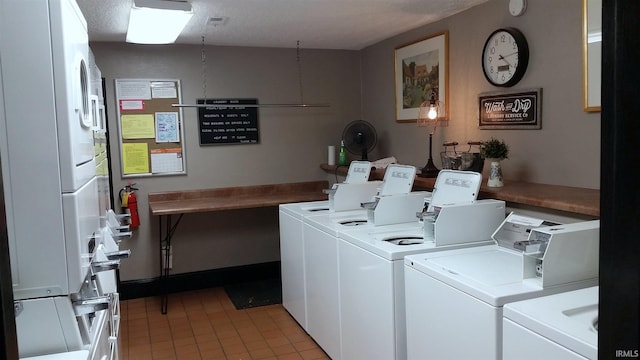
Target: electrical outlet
164 252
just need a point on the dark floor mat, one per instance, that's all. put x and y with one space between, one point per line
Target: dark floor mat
256 293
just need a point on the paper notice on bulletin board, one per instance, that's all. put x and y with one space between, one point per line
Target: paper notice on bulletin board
137 90
135 158
138 126
166 160
167 129
164 90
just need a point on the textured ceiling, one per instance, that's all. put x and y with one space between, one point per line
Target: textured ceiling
318 24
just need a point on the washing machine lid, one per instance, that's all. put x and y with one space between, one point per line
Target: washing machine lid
394 242
516 229
566 318
358 172
398 179
390 242
455 186
489 273
332 223
302 209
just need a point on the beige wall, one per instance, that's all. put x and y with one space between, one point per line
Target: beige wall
358 85
566 151
293 142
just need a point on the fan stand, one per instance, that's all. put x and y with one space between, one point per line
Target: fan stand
364 157
429 170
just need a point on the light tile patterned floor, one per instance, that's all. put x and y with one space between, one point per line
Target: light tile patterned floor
204 325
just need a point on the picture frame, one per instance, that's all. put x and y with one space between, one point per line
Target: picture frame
520 109
421 69
592 54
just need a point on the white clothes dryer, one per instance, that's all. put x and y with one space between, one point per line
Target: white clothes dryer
455 298
559 327
57 74
71 72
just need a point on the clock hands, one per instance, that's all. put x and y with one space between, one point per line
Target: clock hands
500 57
504 58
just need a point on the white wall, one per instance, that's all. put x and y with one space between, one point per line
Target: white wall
566 151
293 142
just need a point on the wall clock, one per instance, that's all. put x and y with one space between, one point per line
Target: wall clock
505 57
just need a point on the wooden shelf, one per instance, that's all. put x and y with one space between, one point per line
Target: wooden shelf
563 198
241 197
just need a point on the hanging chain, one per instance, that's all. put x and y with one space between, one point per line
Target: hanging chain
204 71
299 72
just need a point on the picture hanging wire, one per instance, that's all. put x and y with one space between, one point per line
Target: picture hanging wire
204 88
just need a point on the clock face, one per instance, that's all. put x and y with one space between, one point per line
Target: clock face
505 57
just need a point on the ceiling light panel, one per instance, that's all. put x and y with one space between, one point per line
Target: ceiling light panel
157 21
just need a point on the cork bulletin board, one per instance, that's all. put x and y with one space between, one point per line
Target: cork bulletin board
151 131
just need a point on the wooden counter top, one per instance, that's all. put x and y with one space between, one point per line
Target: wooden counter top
564 198
242 197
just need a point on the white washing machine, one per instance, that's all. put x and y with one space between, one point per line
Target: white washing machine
321 255
292 242
454 299
559 327
292 255
371 263
322 276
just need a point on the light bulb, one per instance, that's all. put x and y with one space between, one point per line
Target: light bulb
433 112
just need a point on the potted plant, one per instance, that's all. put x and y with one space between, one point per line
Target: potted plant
494 150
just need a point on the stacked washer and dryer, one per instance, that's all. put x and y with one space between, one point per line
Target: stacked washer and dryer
63 235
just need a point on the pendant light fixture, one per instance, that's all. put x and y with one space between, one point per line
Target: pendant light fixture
301 104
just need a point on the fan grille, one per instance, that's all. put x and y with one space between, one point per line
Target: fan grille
359 137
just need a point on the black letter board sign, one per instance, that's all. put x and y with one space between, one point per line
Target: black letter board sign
516 110
228 124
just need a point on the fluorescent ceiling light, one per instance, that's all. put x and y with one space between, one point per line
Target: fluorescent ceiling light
157 21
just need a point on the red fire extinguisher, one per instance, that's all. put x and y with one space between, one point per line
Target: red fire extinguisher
129 202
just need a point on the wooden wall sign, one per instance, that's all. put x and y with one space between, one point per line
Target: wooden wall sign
513 110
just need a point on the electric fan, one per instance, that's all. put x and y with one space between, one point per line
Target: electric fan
359 137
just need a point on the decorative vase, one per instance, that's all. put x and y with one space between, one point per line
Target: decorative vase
495 173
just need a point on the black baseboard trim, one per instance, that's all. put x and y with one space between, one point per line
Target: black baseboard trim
134 289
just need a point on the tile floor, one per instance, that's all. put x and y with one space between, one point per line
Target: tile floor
204 325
